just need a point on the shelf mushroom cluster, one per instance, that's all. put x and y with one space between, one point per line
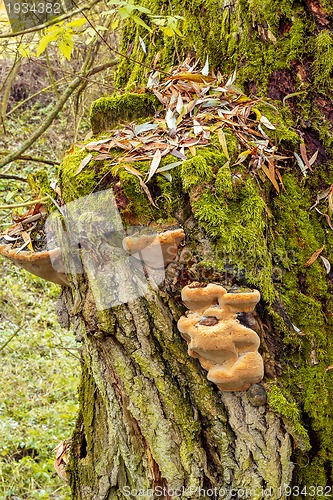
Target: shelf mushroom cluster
227 349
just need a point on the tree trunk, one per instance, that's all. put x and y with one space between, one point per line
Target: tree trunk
150 423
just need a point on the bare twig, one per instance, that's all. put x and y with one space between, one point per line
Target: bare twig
15 177
37 159
8 87
11 338
131 59
73 86
23 204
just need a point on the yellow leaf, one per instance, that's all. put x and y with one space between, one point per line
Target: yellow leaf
193 77
65 45
223 143
77 23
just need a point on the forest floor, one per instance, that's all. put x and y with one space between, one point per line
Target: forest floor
39 360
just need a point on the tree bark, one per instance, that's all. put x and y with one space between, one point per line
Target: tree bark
150 423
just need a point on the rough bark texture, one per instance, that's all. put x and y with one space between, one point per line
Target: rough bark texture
148 417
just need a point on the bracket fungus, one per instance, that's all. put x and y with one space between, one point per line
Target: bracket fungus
46 264
156 250
227 349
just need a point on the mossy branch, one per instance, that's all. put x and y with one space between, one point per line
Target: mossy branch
73 86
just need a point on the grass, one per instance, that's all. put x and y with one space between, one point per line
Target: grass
39 371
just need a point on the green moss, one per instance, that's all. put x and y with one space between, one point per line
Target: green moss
74 186
284 134
107 112
236 226
305 292
323 62
290 411
39 183
223 182
195 171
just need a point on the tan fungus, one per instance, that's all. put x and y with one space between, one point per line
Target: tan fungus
42 264
224 347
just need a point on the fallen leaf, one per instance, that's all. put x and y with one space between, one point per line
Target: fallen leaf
180 104
145 127
313 157
298 331
330 367
205 69
301 164
265 121
197 128
143 45
193 77
138 174
154 164
27 240
170 120
314 256
168 176
327 264
304 156
270 173
232 79
84 163
223 142
170 166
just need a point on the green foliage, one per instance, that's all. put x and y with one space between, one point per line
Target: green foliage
62 35
169 25
39 372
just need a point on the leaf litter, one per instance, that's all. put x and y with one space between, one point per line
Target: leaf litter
196 105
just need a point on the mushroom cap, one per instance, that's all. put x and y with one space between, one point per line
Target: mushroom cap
239 302
42 264
148 247
199 296
248 370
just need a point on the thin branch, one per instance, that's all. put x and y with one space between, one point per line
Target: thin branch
11 338
15 177
24 204
73 86
52 21
38 159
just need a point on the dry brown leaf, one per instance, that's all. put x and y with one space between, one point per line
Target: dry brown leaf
138 174
304 156
83 163
314 256
27 240
270 173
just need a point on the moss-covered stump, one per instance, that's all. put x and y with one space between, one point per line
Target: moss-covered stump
149 420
